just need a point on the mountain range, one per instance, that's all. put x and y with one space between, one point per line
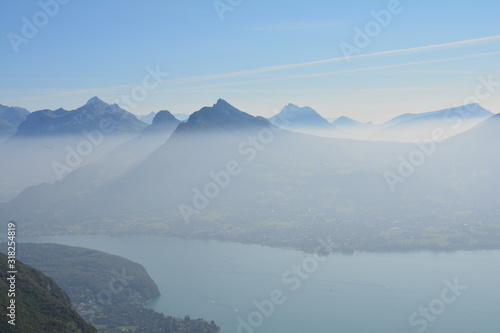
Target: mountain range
61 141
228 175
407 127
94 114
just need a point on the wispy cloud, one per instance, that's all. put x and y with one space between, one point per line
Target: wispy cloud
338 59
429 47
50 93
240 74
332 73
329 90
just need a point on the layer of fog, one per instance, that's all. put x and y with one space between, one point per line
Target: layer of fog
260 173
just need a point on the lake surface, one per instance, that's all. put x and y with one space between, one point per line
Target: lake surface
252 288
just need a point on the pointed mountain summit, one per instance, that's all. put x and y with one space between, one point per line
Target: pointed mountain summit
164 116
210 138
222 116
298 118
96 103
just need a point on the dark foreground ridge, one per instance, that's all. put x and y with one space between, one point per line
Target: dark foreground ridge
41 306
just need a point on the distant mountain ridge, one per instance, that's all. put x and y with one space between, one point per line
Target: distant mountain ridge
162 121
473 110
300 118
93 115
90 132
10 119
406 127
419 126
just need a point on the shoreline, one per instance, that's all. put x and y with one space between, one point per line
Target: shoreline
339 250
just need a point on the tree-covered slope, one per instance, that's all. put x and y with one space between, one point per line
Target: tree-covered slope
41 305
78 270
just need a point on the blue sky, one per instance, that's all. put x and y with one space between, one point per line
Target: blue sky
103 48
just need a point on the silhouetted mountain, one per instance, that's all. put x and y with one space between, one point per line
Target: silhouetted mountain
40 304
112 165
306 120
95 114
61 141
220 117
10 119
300 118
163 121
209 138
206 140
